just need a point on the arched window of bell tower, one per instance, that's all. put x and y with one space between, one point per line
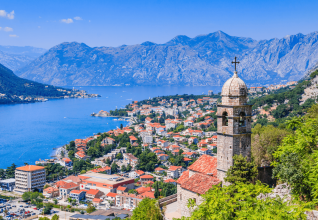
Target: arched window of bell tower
225 120
242 120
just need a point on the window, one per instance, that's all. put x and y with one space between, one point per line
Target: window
225 120
242 91
242 119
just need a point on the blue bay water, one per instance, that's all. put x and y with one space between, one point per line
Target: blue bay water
29 132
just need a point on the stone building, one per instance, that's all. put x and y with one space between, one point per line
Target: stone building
234 124
233 138
194 182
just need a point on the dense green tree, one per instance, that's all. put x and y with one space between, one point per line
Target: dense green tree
265 141
10 172
147 209
241 171
239 201
90 209
296 159
114 167
147 161
123 168
55 217
119 156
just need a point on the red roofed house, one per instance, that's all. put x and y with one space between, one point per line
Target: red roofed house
121 189
198 179
204 151
66 188
51 192
136 174
172 181
111 197
78 195
66 162
159 170
146 178
132 139
175 171
93 193
97 201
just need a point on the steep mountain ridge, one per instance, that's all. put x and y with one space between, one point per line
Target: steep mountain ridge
202 60
15 57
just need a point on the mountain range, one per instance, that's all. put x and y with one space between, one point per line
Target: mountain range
202 60
15 57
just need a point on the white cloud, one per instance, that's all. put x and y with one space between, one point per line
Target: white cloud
13 35
3 13
10 15
7 29
67 21
78 18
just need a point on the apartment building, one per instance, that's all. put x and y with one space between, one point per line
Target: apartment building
30 177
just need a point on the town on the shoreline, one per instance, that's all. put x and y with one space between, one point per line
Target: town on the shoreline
171 150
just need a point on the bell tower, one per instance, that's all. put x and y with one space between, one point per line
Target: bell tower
233 124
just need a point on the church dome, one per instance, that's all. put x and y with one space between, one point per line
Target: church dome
234 87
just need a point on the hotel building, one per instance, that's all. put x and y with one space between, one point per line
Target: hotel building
30 177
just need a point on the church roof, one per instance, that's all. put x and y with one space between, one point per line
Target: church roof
205 164
234 87
204 177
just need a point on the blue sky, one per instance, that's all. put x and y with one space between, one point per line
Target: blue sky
113 23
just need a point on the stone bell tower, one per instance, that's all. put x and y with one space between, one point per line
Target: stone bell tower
234 124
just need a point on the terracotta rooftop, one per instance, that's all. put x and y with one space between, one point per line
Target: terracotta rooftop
205 164
69 185
146 177
92 191
121 188
111 194
141 190
30 168
199 183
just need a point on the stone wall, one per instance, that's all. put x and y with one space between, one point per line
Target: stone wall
183 197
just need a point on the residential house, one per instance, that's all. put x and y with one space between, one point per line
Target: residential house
136 174
66 188
132 139
93 193
51 192
192 140
131 159
204 151
160 170
146 178
174 172
162 143
78 195
163 157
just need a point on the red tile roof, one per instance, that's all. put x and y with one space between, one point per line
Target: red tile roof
121 188
143 189
173 168
92 192
30 168
69 185
146 177
199 183
111 194
169 181
186 159
133 138
97 200
205 164
149 194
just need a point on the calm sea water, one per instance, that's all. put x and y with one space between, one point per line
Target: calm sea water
29 132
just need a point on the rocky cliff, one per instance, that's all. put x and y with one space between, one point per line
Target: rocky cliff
203 60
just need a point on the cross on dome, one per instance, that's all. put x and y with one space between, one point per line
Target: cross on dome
235 62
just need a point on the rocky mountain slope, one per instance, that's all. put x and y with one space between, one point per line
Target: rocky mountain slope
14 89
203 60
15 57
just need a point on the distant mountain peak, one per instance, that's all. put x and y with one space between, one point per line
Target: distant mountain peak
201 60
